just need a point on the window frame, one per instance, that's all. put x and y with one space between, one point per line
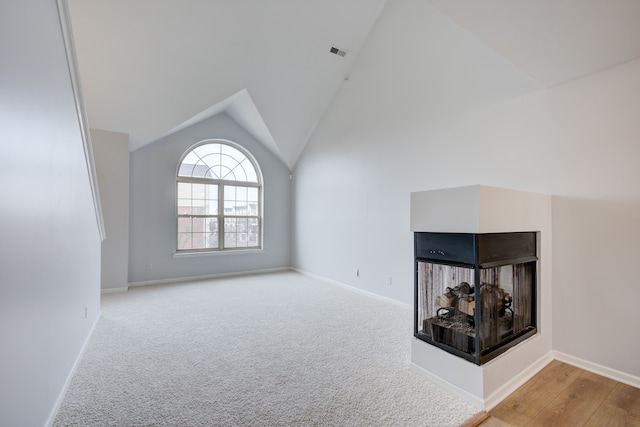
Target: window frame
220 215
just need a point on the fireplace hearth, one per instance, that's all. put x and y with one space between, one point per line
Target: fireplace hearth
475 294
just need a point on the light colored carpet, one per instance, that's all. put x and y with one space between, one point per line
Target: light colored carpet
277 349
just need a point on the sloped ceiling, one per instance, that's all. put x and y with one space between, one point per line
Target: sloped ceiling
555 41
151 67
148 66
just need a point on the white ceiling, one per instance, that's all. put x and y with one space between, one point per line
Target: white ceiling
555 41
151 67
148 66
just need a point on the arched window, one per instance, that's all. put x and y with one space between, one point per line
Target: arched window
219 198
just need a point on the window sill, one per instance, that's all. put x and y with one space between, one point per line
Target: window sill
217 253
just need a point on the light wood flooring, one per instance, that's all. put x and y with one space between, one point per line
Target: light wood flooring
563 395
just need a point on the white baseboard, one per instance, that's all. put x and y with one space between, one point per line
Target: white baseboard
354 289
207 277
514 383
76 363
496 397
614 374
456 391
113 290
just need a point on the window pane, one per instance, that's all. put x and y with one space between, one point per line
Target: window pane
229 199
253 232
188 164
230 158
231 151
184 198
241 193
237 202
198 233
209 166
211 199
227 173
211 191
218 161
184 207
252 176
191 158
212 207
184 241
252 194
197 199
184 225
197 207
212 233
197 191
229 192
241 232
184 190
230 232
199 170
243 169
201 198
229 164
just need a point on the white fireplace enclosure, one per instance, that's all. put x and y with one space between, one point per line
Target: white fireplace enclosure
481 210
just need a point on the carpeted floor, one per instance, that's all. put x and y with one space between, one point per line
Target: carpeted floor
277 349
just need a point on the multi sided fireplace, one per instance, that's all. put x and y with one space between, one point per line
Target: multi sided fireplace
475 294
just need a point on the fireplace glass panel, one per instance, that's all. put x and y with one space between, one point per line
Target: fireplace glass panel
456 314
445 305
505 302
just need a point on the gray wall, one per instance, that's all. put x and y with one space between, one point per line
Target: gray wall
423 117
50 251
152 236
111 154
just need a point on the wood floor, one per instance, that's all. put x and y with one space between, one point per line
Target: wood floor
563 395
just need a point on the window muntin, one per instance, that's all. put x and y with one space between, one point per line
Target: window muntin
218 161
218 199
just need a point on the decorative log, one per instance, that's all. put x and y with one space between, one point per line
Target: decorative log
445 301
467 307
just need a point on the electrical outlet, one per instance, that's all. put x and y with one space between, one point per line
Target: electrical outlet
389 281
149 267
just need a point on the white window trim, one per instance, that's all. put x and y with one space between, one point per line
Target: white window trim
216 252
221 250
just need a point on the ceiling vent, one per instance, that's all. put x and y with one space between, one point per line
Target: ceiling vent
338 51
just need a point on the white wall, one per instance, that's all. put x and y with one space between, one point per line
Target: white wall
50 251
152 237
596 218
390 131
426 107
111 154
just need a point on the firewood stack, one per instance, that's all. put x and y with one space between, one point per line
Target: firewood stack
460 298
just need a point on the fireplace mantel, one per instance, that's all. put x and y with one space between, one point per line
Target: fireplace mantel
483 209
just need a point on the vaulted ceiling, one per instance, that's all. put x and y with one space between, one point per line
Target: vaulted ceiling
151 67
